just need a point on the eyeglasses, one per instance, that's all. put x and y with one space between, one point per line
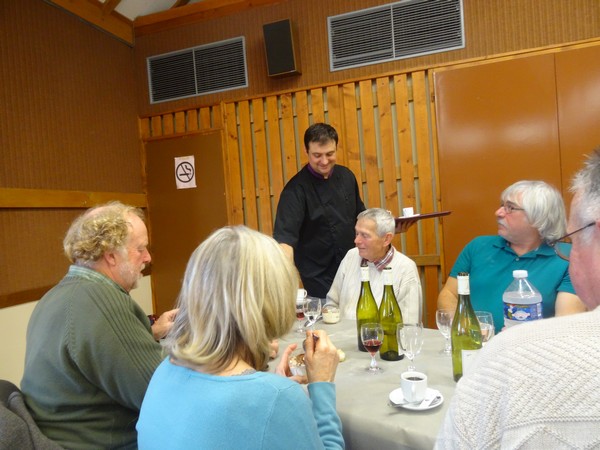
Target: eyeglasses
509 207
565 242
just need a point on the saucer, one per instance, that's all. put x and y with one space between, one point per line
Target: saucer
397 399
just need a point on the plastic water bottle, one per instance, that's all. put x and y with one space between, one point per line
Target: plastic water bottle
522 301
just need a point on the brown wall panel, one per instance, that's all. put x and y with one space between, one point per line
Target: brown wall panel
578 87
491 27
31 253
497 124
68 110
68 121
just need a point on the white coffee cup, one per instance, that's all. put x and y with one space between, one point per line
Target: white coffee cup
414 386
408 212
301 295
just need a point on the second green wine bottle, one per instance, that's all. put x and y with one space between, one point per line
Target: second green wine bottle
389 317
466 332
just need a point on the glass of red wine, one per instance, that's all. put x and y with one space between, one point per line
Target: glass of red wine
371 335
300 300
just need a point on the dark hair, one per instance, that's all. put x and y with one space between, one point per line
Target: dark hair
321 133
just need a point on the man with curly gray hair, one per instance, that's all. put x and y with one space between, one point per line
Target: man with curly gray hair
91 350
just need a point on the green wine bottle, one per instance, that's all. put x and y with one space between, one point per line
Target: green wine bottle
366 308
466 332
389 317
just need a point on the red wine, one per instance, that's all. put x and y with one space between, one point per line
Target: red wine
299 315
366 307
372 345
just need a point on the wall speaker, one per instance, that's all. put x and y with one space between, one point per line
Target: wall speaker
282 49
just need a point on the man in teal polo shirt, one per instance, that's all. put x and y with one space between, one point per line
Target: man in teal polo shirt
531 215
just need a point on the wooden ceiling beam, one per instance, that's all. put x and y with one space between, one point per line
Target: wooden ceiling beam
109 6
193 13
180 3
92 12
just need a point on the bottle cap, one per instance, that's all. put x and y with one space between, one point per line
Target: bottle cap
519 273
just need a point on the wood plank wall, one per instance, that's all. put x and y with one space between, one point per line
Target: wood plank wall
68 138
386 128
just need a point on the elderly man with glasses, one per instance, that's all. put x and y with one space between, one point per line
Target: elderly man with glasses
531 219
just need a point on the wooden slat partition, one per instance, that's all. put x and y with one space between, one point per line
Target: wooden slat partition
384 125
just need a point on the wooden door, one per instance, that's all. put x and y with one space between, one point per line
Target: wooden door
497 124
179 219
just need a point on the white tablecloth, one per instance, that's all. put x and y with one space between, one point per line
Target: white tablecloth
362 398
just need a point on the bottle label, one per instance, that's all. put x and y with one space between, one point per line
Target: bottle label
468 357
514 312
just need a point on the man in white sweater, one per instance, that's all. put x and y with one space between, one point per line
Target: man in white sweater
374 232
537 385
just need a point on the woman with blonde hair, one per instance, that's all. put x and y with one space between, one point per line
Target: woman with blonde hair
238 294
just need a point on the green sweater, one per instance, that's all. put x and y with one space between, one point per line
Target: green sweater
90 356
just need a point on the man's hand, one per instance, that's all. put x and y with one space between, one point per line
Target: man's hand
163 324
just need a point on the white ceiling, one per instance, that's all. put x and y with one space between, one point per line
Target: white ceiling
133 8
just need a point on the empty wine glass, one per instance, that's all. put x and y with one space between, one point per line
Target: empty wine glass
410 338
486 322
371 335
443 319
312 310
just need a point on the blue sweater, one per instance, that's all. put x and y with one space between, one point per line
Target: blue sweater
186 409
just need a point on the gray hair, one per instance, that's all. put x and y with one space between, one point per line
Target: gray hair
100 229
586 183
238 294
543 205
383 219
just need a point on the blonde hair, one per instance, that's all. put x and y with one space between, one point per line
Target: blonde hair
100 229
238 294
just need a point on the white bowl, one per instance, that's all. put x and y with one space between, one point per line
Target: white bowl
297 366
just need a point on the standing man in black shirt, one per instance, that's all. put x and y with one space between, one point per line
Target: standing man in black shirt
317 212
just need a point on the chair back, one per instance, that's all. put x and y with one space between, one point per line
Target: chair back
17 427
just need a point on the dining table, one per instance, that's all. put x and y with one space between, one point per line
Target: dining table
369 421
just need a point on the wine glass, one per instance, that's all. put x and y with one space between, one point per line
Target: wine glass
486 322
300 299
371 335
300 314
443 319
312 310
410 338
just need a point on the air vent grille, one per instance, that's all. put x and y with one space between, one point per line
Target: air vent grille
395 31
206 69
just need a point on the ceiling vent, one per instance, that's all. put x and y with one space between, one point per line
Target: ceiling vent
399 30
216 67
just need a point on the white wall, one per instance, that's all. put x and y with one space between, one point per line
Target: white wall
13 326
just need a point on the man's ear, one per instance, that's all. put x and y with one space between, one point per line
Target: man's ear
387 240
110 258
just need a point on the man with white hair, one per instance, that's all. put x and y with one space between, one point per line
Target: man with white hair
374 231
91 350
531 215
537 385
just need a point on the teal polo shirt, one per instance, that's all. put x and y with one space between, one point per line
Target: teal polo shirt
490 262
